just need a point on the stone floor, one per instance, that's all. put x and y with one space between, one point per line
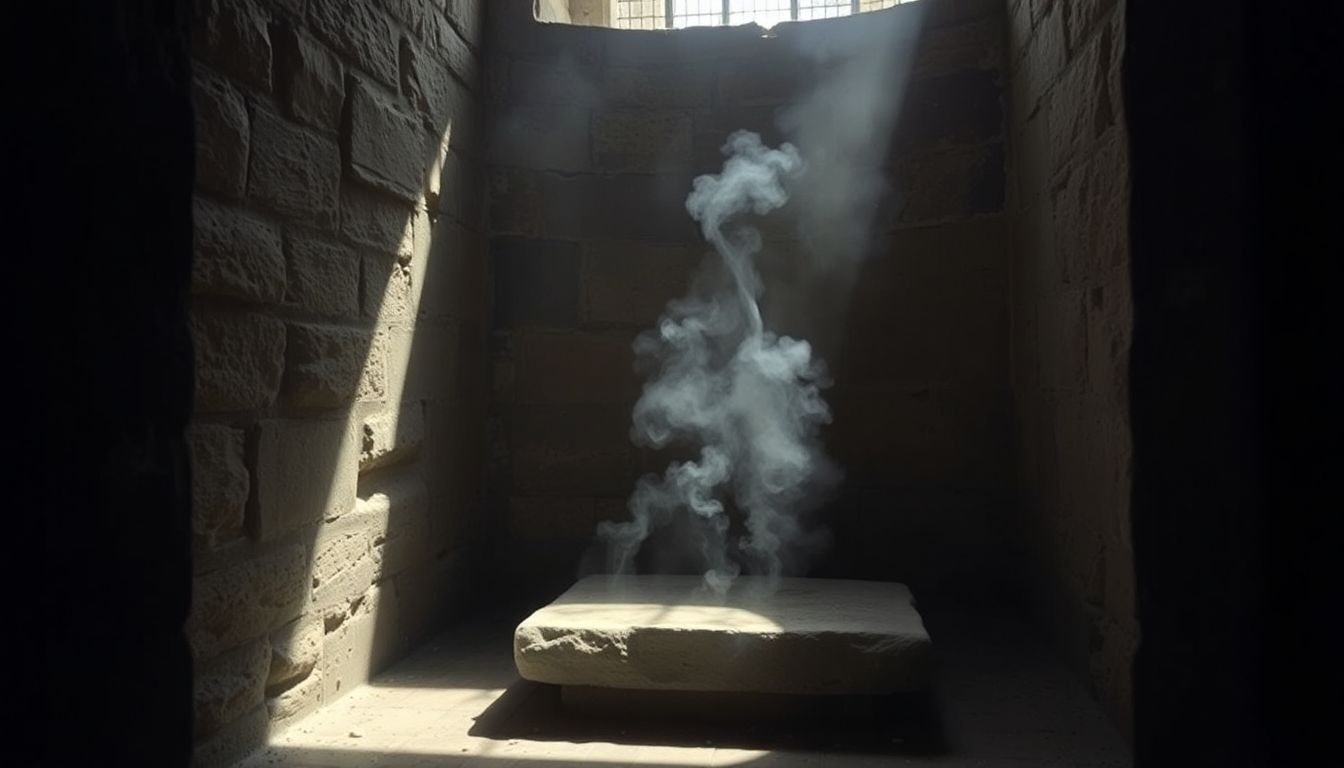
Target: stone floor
999 702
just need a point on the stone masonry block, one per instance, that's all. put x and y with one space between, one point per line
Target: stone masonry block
639 141
246 600
305 472
221 137
659 87
325 365
547 137
239 360
389 295
233 742
229 686
219 478
630 283
361 31
400 500
233 35
292 170
375 220
581 449
390 437
295 650
385 148
343 566
361 645
236 254
576 367
323 276
1081 107
291 704
309 79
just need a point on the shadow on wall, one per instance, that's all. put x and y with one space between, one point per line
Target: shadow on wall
596 136
338 318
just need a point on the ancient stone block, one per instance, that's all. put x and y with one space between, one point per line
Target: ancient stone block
361 31
361 645
547 518
959 108
343 566
221 137
233 742
386 148
389 292
233 35
236 254
390 437
219 479
308 79
295 650
583 449
424 363
630 283
229 687
653 632
324 365
452 277
447 45
1081 107
323 276
951 184
638 141
375 220
556 82
576 367
536 282
465 16
293 171
400 500
542 137
239 360
246 600
293 703
659 87
973 45
462 189
305 472
373 379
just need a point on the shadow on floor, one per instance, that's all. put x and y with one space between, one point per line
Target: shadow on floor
906 725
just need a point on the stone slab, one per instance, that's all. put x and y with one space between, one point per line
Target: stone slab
806 637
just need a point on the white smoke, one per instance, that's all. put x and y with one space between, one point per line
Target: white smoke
750 399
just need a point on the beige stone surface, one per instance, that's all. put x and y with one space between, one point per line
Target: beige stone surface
808 636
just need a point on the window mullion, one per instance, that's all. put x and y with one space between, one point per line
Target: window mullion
793 9
726 8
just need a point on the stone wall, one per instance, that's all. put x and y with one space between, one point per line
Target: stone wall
595 137
1071 311
338 321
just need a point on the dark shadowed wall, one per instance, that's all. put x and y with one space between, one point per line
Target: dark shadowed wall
595 136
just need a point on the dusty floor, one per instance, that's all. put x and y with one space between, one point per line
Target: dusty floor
999 703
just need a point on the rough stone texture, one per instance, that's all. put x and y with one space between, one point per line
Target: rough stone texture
378 221
391 437
230 686
295 650
244 601
810 636
221 137
337 183
219 479
378 137
239 360
293 171
305 473
236 254
323 276
325 365
1071 318
361 31
233 35
309 79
